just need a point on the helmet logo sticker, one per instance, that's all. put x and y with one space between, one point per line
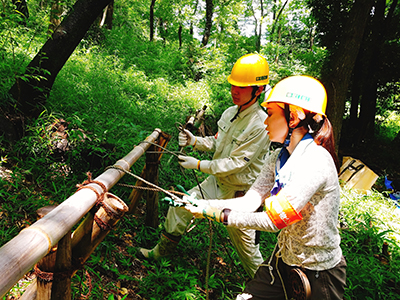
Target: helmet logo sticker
297 96
261 77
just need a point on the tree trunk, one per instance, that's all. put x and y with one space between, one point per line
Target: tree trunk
162 26
260 27
207 29
356 91
311 35
180 36
276 19
379 26
42 70
191 30
337 77
153 2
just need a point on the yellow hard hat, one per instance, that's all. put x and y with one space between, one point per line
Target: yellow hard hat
300 90
250 70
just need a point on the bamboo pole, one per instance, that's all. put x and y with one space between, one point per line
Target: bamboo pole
46 265
30 292
152 196
85 239
61 289
152 174
20 254
136 194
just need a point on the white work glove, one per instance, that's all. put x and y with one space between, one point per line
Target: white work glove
201 209
186 138
188 162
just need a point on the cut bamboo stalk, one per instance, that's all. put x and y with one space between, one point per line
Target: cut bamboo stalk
20 254
30 292
87 237
152 196
44 283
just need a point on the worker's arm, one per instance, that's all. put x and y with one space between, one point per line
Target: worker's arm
240 157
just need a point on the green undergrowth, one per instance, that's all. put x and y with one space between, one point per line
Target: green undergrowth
368 224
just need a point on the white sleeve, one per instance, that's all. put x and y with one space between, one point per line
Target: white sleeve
248 203
256 220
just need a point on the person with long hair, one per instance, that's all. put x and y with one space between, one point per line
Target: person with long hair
299 189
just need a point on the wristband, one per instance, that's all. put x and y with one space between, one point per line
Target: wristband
198 165
195 141
226 212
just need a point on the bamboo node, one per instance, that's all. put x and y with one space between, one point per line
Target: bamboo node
42 232
123 160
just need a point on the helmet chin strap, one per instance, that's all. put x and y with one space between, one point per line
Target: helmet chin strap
289 135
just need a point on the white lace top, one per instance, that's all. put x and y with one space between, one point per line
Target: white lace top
310 183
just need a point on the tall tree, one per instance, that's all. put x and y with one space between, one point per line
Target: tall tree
370 73
153 2
208 23
31 89
344 40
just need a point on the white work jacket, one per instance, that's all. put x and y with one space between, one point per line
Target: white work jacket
240 147
311 185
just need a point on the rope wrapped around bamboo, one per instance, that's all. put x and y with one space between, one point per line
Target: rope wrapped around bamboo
49 276
84 185
110 210
89 234
20 254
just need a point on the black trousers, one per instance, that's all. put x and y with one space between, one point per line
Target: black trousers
325 285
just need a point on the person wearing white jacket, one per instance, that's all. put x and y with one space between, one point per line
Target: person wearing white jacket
299 189
240 148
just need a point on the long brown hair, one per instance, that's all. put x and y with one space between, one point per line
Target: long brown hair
323 135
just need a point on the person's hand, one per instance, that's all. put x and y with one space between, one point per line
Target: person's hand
188 162
186 138
195 206
202 209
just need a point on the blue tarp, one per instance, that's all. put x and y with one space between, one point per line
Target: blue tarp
394 195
